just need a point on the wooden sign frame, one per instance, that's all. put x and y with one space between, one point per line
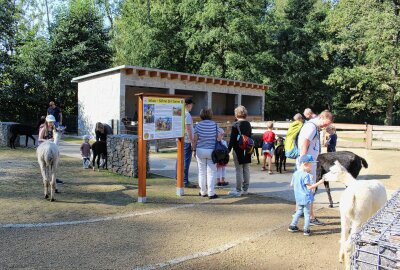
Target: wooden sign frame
142 153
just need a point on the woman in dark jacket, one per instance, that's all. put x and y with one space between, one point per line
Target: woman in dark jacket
101 131
241 159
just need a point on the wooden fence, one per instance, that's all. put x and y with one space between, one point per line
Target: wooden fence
349 135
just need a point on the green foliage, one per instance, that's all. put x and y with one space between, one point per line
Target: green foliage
366 50
295 66
41 70
211 37
78 45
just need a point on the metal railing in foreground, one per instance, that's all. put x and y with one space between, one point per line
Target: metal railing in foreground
377 244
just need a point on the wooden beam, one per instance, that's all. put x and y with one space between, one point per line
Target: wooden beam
153 73
129 71
209 80
201 79
163 75
172 76
237 84
192 78
223 82
216 81
183 77
141 72
231 82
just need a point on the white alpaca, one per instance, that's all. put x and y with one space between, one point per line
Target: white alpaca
360 201
48 156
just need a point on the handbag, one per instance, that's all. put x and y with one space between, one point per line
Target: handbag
220 154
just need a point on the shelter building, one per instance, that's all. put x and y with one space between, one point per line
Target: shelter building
109 95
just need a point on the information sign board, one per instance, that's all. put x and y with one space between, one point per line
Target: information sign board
163 118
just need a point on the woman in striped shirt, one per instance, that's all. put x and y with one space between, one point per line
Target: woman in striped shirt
205 135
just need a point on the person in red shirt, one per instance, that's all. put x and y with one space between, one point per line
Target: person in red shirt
268 146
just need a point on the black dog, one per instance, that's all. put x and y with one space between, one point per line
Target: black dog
21 129
280 157
352 162
99 149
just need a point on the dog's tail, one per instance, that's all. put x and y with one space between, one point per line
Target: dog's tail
364 162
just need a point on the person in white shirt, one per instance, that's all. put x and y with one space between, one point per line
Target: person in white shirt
309 144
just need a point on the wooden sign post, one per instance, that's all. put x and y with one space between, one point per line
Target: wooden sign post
160 116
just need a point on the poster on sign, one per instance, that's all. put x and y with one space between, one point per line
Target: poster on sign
163 118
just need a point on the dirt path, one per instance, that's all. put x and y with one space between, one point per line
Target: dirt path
186 232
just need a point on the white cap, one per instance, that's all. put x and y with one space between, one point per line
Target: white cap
50 118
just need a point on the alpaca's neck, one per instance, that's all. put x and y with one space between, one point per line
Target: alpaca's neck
348 179
56 138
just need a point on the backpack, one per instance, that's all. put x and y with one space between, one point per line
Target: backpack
245 142
220 155
291 142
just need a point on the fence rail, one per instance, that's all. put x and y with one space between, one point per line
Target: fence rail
349 135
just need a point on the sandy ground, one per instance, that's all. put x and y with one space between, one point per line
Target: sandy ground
169 232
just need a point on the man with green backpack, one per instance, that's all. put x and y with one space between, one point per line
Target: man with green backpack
309 144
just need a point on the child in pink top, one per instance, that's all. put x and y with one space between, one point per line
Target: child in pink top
268 146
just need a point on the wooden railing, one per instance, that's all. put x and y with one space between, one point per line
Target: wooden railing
349 135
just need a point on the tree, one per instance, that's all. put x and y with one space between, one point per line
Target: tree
224 38
294 60
366 48
78 45
147 34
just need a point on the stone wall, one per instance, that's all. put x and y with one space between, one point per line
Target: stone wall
122 154
5 134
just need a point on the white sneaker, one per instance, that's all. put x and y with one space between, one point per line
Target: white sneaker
235 193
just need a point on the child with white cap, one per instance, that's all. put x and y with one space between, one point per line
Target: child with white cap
303 192
85 152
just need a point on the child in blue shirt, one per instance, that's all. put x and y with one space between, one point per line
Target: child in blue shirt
303 192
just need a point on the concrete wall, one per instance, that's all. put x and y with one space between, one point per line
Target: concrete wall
200 99
99 100
130 103
223 104
254 105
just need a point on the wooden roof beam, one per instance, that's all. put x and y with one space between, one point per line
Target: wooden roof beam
172 76
141 72
153 74
193 78
163 75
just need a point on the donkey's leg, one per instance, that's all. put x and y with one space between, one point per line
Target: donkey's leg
12 140
257 155
284 162
93 161
328 190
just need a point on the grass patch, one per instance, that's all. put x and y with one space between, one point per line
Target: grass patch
84 194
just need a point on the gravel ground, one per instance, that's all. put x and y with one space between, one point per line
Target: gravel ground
177 233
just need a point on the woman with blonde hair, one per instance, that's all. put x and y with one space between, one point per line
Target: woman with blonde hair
241 158
47 129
